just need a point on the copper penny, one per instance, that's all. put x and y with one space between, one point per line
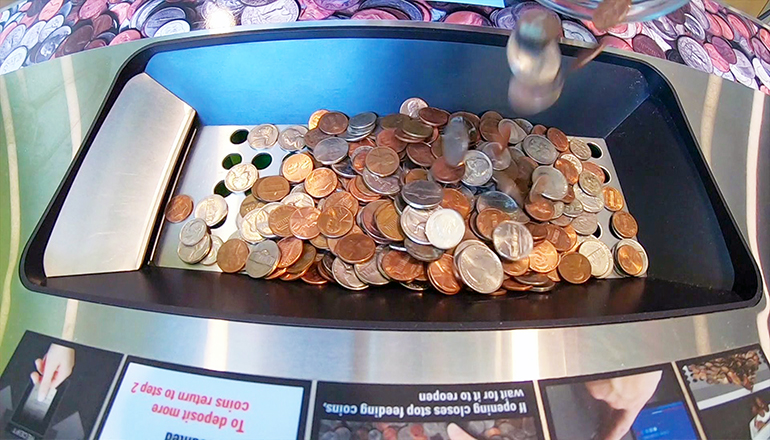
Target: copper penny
343 199
489 129
321 182
569 170
291 249
416 129
515 268
315 117
365 142
278 220
179 208
575 268
314 136
488 219
333 242
544 257
387 139
320 242
365 197
437 147
232 255
558 139
553 276
539 129
335 221
304 223
333 123
538 231
526 166
420 154
624 224
455 199
573 238
401 266
249 204
271 188
388 222
297 167
415 174
594 169
558 238
613 200
306 258
434 117
541 210
356 248
292 276
441 275
629 259
312 276
382 161
442 172
513 285
276 274
368 222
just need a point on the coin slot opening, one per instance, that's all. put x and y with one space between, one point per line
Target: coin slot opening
262 161
239 136
221 189
598 232
607 175
231 160
596 152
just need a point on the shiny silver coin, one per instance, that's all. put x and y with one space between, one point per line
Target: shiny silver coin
387 186
590 184
193 232
211 257
262 215
480 268
278 11
300 187
351 136
422 194
547 287
499 155
555 186
498 200
241 177
445 228
299 200
412 107
580 149
292 138
517 131
464 244
599 255
585 224
212 209
195 253
369 273
263 259
512 240
249 228
422 252
345 275
638 247
589 202
363 121
524 124
455 141
331 150
413 223
262 136
478 168
573 208
540 149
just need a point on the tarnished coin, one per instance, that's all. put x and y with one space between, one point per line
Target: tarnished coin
271 188
422 194
292 138
413 223
313 276
434 117
263 136
306 259
263 260
478 168
382 161
580 148
297 167
179 208
540 149
335 221
195 253
212 209
331 150
533 279
211 257
278 220
362 121
480 269
249 229
387 139
422 252
232 255
369 273
393 121
321 182
303 223
412 107
387 221
544 257
290 250
599 255
624 224
455 199
575 268
250 203
515 286
445 228
590 184
386 186
585 224
613 200
590 203
421 154
298 200
345 275
553 184
441 275
512 240
355 248
315 117
241 177
401 266
314 137
333 123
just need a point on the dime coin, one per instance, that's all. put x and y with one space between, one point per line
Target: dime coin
179 208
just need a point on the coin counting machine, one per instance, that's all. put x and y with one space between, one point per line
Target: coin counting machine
163 131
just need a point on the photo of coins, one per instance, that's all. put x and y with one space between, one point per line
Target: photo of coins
522 428
738 369
424 198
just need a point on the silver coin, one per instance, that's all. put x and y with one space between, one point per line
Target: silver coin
580 149
386 186
249 229
299 200
496 199
499 155
694 27
573 208
412 107
478 168
12 40
331 150
555 186
480 269
14 60
693 54
292 138
519 216
638 247
241 177
195 253
211 257
345 275
413 223
524 124
417 286
360 150
211 209
445 228
32 37
599 255
344 169
263 136
561 220
547 287
455 141
173 27
558 209
422 194
512 240
51 25
464 244
577 163
279 11
743 70
517 131
540 149
422 252
369 273
363 121
353 136
590 184
762 70
193 232
263 259
589 202
262 215
585 224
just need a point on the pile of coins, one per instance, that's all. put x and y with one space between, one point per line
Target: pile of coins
522 428
421 197
737 369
